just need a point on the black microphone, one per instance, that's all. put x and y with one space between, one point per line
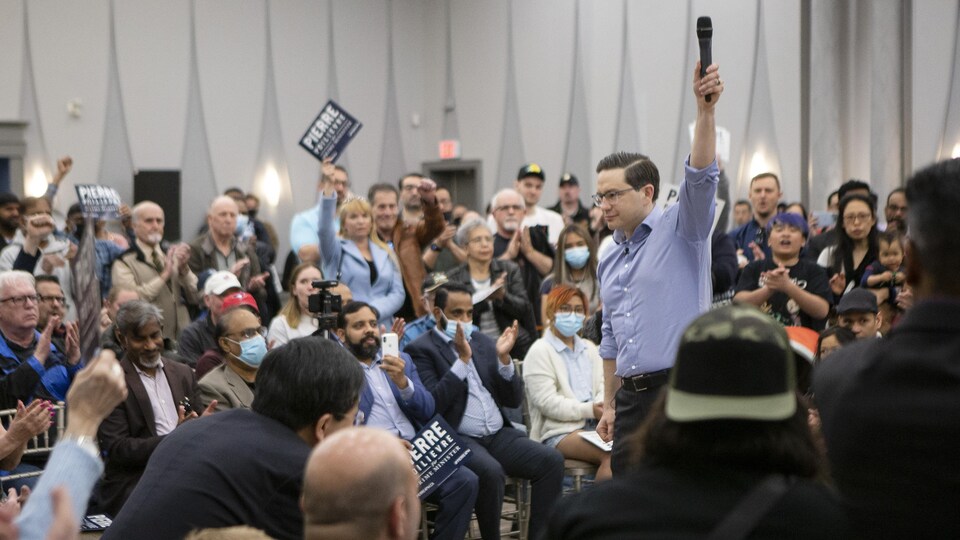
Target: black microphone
704 35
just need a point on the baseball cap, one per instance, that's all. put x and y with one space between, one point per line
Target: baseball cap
220 282
237 299
734 363
434 281
569 180
858 301
530 169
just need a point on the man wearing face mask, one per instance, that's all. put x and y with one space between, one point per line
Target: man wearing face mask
242 345
394 399
472 378
215 356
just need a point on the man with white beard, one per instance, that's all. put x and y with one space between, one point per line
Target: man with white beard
158 277
529 247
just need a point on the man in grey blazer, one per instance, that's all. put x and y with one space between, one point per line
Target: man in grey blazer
242 345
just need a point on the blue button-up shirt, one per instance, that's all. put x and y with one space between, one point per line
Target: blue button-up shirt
385 412
482 416
416 329
579 372
657 281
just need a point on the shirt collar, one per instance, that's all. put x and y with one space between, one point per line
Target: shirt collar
147 250
559 345
649 223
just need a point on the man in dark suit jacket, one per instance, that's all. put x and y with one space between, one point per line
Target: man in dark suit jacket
152 409
472 378
245 467
889 406
394 399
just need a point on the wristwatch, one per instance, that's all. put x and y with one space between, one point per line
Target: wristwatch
435 247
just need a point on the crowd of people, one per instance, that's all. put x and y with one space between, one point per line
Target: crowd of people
228 391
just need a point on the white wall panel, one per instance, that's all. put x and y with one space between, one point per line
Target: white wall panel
934 35
479 63
153 62
781 32
410 58
601 33
69 44
299 38
360 30
543 45
11 60
231 55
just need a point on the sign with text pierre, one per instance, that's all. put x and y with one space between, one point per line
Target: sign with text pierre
437 453
330 132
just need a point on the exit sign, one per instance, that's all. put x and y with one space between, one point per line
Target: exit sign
449 149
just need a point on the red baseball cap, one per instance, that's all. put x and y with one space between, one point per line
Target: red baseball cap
237 299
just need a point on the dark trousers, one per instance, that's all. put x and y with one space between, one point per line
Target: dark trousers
509 452
632 408
455 499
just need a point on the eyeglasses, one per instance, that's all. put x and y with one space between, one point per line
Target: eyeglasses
248 333
481 240
854 218
566 310
21 300
611 197
54 299
509 208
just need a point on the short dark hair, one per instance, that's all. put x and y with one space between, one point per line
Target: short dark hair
781 447
47 278
843 335
408 175
443 293
743 201
884 236
352 307
767 174
233 189
75 208
638 170
308 377
832 193
852 185
933 194
223 323
379 188
895 191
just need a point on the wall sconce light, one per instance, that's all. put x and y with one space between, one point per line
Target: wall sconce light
759 164
270 185
956 151
36 185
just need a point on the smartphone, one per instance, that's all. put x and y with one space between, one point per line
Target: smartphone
825 219
390 344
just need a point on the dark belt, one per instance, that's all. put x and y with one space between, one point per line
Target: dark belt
646 381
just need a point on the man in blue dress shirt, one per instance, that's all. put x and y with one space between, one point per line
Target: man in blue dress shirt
657 279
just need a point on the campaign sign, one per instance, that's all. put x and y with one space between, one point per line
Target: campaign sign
99 202
670 194
330 133
437 453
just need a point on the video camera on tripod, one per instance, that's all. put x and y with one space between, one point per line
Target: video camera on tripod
324 306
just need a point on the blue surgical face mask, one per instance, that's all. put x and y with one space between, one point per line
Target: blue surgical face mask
577 257
252 351
242 221
568 324
450 328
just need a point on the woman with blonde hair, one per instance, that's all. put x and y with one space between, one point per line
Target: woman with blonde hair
358 258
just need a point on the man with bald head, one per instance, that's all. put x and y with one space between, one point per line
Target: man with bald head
219 249
360 484
161 278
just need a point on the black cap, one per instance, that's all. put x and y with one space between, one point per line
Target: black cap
858 301
569 180
531 169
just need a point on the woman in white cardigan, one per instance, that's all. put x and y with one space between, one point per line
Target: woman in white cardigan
563 375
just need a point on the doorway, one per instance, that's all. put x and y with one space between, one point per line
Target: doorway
461 178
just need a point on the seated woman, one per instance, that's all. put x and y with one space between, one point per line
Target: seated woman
575 264
508 301
358 258
563 375
722 453
295 320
